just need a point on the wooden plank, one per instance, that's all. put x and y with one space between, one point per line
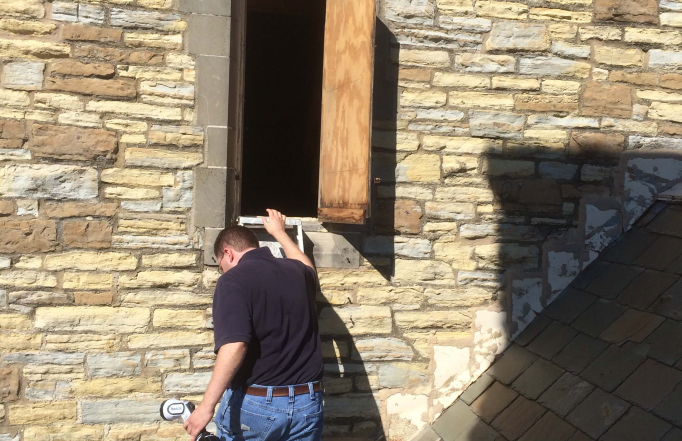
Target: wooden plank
341 215
347 109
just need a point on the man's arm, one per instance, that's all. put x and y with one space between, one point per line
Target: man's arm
275 225
230 357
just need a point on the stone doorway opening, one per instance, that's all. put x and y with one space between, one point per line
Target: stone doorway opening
282 106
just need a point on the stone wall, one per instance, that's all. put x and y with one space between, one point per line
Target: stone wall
528 136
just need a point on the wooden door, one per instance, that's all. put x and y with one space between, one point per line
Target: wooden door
347 111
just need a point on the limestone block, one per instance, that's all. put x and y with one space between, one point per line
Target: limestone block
91 261
27 236
557 170
432 319
653 36
33 50
419 168
401 375
351 405
131 193
449 210
75 432
43 413
656 95
91 14
511 36
9 385
72 143
562 31
169 260
177 198
57 101
80 119
26 27
628 125
48 181
424 58
149 73
560 15
167 360
569 50
478 99
459 164
171 242
125 18
163 226
36 298
496 125
568 121
173 318
460 297
145 157
149 279
23 75
162 41
381 349
660 59
503 167
33 279
546 103
120 411
356 320
446 79
640 11
644 143
485 63
423 271
607 100
412 98
135 110
461 145
518 83
165 298
79 209
93 86
92 318
669 112
186 383
14 98
464 194
502 256
553 67
468 24
206 358
170 339
80 342
87 33
115 387
618 56
26 9
508 10
600 33
560 87
419 12
394 296
88 281
180 136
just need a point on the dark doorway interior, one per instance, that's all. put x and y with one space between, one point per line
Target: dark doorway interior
282 109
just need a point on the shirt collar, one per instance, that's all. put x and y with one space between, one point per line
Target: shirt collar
258 253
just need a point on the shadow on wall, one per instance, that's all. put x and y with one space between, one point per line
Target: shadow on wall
351 379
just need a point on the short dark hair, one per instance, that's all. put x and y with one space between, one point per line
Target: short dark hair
238 237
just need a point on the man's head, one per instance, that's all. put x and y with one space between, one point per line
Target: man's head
231 244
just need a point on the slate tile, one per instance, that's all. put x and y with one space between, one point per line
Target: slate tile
644 333
458 421
668 222
598 317
477 388
493 401
552 340
629 248
675 266
426 434
597 413
669 304
587 276
660 254
665 343
532 331
612 367
513 362
649 384
565 394
627 325
614 280
637 425
579 353
570 305
670 408
537 378
646 288
549 428
579 436
517 418
673 435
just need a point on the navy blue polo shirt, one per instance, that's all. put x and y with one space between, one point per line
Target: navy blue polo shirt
269 303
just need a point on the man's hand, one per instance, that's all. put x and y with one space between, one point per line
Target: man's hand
275 222
198 421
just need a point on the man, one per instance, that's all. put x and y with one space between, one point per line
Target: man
268 369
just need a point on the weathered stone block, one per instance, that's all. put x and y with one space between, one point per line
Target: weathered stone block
496 125
72 143
24 76
477 99
546 103
424 58
355 320
669 112
640 11
449 210
553 67
381 349
120 411
92 318
511 36
618 56
79 209
607 100
48 181
26 9
504 167
93 86
508 10
9 385
33 50
170 340
423 271
419 168
432 319
115 387
32 279
163 41
596 144
190 383
86 33
43 413
485 63
560 14
145 157
126 18
173 318
502 256
27 236
167 360
91 261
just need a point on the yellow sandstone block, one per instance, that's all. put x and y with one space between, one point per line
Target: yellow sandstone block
88 281
43 413
114 387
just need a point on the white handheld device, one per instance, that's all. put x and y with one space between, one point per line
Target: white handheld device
176 409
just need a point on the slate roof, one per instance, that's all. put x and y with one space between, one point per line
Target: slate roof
603 362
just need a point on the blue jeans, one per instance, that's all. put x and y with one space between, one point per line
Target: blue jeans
248 417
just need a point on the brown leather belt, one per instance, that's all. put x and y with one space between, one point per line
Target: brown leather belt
282 391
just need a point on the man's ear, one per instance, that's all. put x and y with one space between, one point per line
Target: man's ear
229 254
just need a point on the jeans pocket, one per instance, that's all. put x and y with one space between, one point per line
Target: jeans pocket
313 424
247 425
